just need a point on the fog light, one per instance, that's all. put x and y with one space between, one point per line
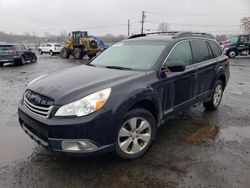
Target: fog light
81 145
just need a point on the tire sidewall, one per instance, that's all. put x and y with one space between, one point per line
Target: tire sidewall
22 60
136 113
218 82
230 53
34 58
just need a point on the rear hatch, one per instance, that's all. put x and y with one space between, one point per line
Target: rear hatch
7 52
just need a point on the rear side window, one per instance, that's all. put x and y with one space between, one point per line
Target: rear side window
215 48
200 50
6 47
180 54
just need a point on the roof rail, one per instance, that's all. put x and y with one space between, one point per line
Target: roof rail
153 33
193 34
176 34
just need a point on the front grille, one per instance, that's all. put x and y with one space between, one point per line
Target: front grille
37 104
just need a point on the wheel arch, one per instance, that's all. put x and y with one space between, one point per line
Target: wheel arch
147 105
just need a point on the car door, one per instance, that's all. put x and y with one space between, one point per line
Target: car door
48 47
206 64
179 87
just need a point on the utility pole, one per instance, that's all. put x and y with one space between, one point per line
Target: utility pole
142 21
128 27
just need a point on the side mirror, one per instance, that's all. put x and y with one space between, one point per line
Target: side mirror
176 67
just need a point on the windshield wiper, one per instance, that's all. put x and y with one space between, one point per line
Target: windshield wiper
118 67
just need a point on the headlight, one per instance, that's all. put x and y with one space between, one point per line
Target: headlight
32 81
86 105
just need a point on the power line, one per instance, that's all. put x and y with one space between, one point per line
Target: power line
205 25
201 14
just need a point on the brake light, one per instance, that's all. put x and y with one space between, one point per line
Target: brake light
14 52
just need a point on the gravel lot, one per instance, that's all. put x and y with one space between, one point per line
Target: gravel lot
196 149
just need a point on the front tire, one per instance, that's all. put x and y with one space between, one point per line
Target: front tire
136 133
215 101
33 59
78 53
232 54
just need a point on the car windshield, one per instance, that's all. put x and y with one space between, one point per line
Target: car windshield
130 55
58 45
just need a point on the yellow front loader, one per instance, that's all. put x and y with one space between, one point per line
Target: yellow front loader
79 45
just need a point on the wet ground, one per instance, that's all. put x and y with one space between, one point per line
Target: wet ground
196 149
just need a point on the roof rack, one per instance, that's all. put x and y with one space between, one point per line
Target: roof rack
153 33
176 34
193 34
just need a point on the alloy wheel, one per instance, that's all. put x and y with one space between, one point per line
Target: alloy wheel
134 135
217 94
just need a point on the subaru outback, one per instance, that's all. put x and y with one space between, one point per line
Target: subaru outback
118 101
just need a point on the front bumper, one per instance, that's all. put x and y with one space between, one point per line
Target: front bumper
51 133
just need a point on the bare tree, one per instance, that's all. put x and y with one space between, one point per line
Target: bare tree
163 27
245 24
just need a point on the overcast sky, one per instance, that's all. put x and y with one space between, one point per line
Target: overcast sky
100 17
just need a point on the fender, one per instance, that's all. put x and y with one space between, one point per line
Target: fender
126 102
220 71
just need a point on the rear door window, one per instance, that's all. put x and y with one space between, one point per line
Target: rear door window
200 51
181 53
215 49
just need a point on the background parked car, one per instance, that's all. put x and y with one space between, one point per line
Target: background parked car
51 48
16 53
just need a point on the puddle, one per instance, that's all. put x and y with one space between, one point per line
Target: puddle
214 133
14 145
207 131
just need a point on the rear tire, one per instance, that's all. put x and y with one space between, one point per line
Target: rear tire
78 53
40 51
215 101
22 61
135 134
51 52
65 53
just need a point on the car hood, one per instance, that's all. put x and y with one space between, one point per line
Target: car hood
228 45
74 83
